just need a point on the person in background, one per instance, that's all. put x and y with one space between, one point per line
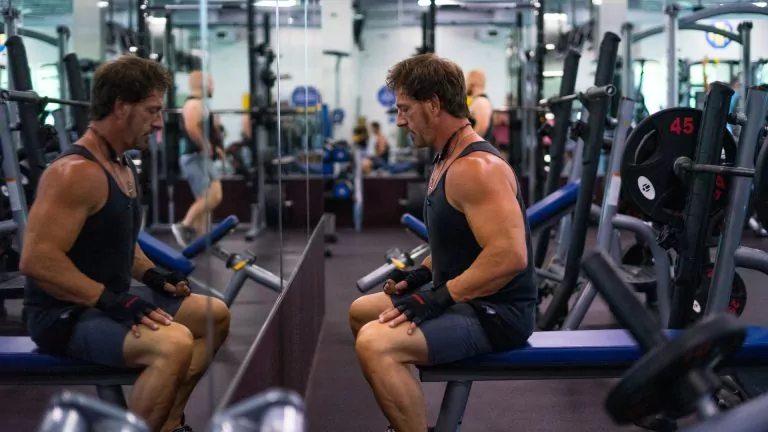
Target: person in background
380 158
480 107
196 161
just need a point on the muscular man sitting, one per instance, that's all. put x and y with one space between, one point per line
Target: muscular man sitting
484 296
80 255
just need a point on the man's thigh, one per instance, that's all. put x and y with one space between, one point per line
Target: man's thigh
99 339
455 335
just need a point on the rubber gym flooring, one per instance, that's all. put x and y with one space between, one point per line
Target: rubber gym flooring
338 398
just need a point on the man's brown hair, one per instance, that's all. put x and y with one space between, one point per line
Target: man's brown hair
130 79
425 76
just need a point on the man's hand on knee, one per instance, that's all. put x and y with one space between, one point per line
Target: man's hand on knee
131 310
399 281
418 307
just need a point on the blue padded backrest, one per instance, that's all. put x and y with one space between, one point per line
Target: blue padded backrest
414 225
537 214
593 347
164 255
213 237
551 205
400 167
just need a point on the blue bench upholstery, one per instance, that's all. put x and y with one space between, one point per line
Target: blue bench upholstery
164 255
552 205
22 364
167 257
219 232
538 214
580 354
414 225
399 167
575 350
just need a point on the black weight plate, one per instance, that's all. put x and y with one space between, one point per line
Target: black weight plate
647 167
648 387
761 186
738 299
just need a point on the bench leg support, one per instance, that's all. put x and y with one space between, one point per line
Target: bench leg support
112 394
453 406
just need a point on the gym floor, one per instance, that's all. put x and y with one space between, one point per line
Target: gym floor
564 405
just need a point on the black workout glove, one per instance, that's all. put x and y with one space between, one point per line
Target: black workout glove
124 308
424 305
414 278
156 279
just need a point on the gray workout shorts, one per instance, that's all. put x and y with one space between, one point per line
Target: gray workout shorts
455 335
199 172
99 339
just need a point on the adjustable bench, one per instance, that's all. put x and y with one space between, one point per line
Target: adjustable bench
582 354
540 215
22 364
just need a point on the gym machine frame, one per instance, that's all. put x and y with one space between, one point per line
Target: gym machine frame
593 142
689 22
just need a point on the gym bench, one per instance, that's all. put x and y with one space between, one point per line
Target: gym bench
580 354
22 364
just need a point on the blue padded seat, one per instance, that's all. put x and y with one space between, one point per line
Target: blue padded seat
551 206
575 351
164 255
399 167
22 364
219 232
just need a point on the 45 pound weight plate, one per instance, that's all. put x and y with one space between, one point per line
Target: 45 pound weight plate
736 304
647 166
651 385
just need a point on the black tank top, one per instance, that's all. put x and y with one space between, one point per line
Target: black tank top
191 147
488 136
103 250
508 315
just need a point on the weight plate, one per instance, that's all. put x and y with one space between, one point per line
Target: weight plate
761 186
738 299
638 255
649 387
647 167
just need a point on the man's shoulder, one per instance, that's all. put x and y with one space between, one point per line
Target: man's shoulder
73 174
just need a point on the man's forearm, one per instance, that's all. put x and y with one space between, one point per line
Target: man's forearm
489 273
427 262
59 277
140 264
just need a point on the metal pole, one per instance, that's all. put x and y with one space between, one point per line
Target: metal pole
63 46
611 193
745 31
672 12
628 74
432 25
103 13
141 29
750 139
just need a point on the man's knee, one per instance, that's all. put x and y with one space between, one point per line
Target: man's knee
221 318
214 194
373 342
362 311
169 347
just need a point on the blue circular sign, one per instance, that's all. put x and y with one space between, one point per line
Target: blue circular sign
719 41
337 116
305 96
386 97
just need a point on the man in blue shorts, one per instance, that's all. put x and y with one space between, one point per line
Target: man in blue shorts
483 296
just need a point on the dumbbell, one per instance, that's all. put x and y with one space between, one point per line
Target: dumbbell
395 259
675 376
